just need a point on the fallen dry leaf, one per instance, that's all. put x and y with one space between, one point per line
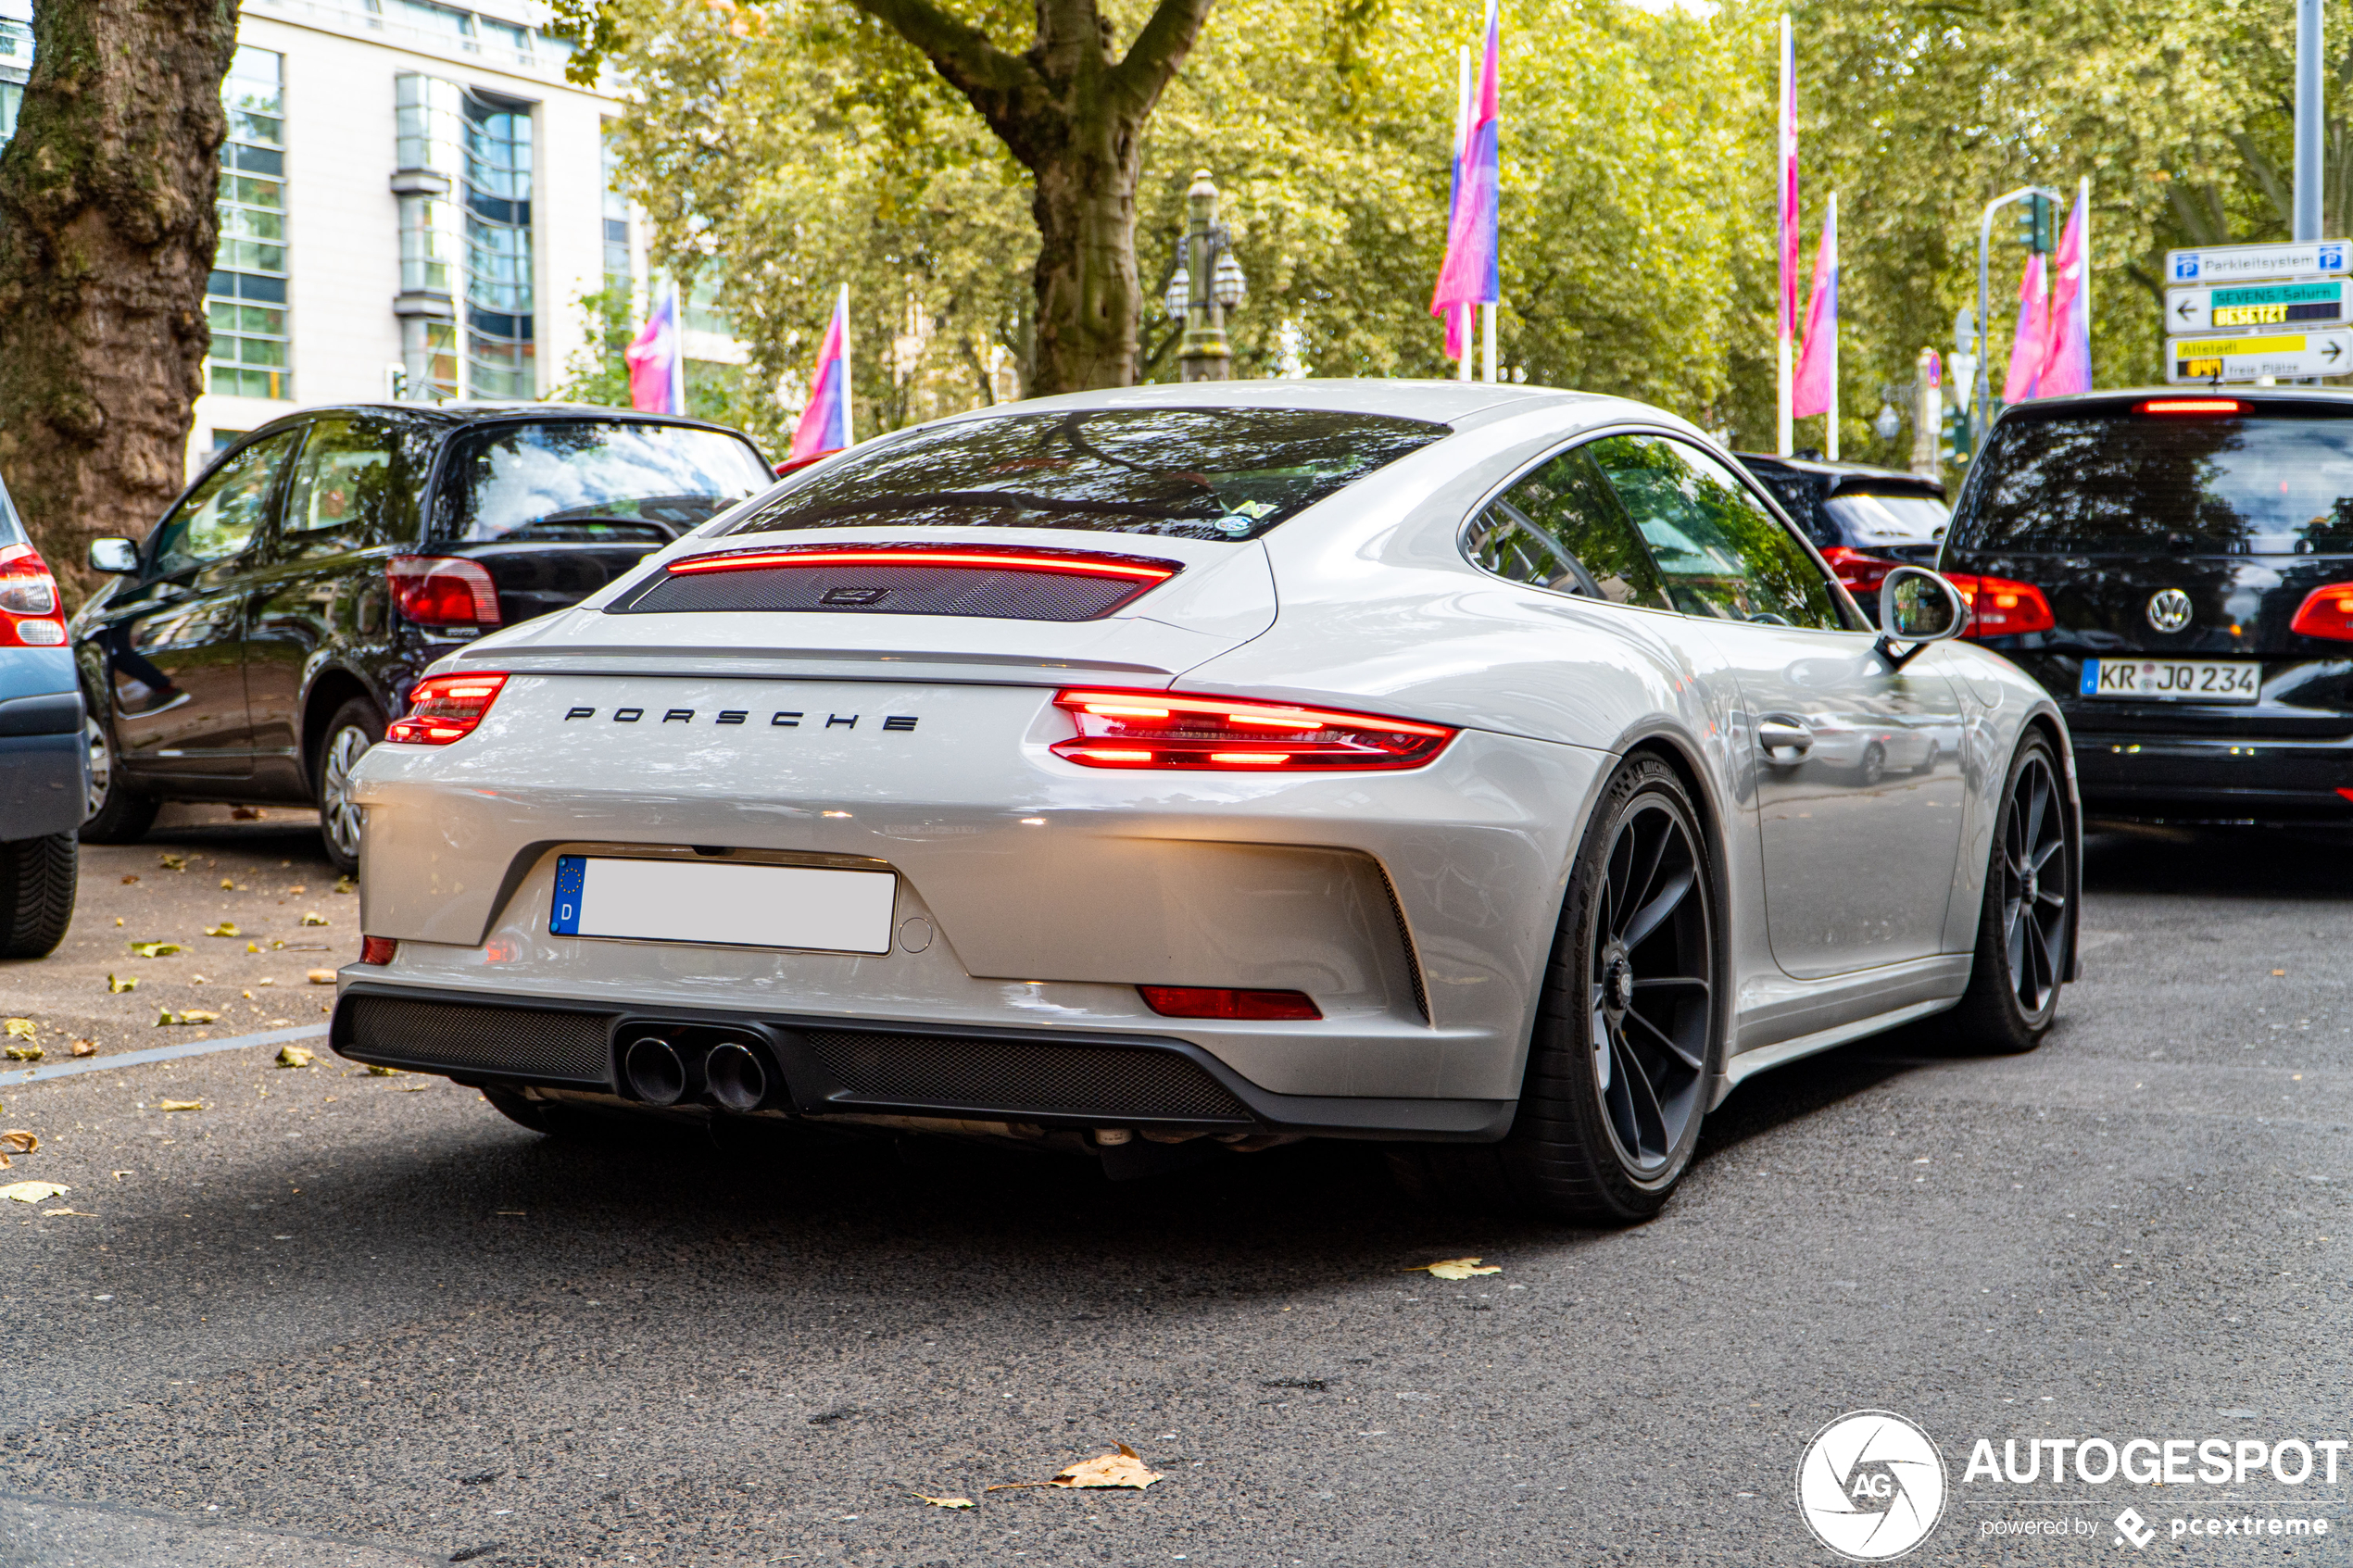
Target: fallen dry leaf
120 983
154 949
85 1047
6 1161
345 884
253 947
294 1056
129 880
174 862
384 1071
322 977
226 928
191 1015
34 1192
19 1141
227 887
1125 1468
297 888
312 917
19 1028
178 1105
24 1053
944 1502
244 814
1455 1268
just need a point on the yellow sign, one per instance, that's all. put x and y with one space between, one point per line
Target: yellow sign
2235 347
2249 314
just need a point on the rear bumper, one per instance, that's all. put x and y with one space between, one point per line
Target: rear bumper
835 1067
2214 777
44 786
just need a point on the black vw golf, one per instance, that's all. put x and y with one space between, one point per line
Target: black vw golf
2177 569
274 621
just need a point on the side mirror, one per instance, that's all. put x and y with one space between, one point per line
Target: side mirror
1918 606
116 557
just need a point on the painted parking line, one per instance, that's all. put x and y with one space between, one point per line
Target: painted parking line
160 1053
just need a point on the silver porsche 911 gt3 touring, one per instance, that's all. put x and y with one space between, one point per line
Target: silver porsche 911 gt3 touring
1488 771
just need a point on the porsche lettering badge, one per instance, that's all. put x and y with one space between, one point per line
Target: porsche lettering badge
788 718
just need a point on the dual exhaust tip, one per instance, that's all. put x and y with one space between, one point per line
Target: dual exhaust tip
732 1074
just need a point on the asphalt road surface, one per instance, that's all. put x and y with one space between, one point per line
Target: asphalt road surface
330 1318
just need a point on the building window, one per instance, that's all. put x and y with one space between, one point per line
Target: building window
617 265
246 299
499 355
466 302
16 64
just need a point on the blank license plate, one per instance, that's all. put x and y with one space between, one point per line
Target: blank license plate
2173 680
805 907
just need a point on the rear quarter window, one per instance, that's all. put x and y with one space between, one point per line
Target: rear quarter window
2272 481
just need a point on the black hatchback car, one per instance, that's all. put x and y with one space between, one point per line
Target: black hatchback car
1865 521
274 621
2177 569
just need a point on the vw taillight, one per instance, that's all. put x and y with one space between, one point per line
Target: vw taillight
2000 608
1861 571
31 613
1120 728
2326 612
442 591
446 707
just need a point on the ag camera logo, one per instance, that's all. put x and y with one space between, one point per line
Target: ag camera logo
1872 1485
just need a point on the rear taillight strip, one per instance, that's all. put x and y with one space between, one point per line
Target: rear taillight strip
2326 612
1002 561
31 614
2002 608
1149 730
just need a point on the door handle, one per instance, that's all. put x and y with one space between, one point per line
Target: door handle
1778 731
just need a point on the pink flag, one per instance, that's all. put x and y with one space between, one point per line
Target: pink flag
2034 336
658 361
1469 275
1816 389
825 423
2067 362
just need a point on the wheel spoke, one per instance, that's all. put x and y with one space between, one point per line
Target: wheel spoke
1666 1040
2039 967
1678 982
1647 919
2042 856
1650 1122
2038 797
1638 886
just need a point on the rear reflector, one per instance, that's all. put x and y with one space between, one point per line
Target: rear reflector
1211 1001
2193 406
442 591
446 707
1119 728
2000 608
910 579
377 949
2326 612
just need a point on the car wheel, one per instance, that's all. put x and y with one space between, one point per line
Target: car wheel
1873 767
2024 925
37 879
115 813
355 727
1628 1031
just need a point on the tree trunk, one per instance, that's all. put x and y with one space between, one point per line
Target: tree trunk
1088 306
106 235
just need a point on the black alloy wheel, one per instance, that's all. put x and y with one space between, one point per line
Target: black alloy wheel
2025 927
356 725
114 814
1629 1028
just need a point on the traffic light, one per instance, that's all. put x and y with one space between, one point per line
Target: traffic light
2034 215
1957 435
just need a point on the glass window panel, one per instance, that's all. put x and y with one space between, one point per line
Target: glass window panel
1560 528
563 479
344 483
219 518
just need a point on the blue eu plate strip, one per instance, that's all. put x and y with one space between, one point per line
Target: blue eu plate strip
2090 684
571 875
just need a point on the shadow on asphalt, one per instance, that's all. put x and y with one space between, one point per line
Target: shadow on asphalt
2268 863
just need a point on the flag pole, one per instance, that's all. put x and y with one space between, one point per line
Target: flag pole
849 409
1462 150
2084 206
1784 310
1832 446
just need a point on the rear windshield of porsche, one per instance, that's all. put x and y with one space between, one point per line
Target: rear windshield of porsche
1189 473
2272 478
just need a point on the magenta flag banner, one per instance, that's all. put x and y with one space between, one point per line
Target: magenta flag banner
658 361
2067 361
825 423
1470 274
1817 385
2033 339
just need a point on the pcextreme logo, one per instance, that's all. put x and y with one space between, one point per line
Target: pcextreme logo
1872 1485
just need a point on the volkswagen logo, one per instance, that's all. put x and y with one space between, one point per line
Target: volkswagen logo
2168 609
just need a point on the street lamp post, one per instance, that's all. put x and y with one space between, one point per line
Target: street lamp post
1208 283
1984 301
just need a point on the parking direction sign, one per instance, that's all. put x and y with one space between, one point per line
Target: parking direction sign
2230 264
2220 307
2283 356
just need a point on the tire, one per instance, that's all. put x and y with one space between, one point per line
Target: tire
2025 925
356 726
1616 1083
118 814
1873 767
37 879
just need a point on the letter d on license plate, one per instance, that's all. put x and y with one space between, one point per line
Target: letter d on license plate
2172 680
813 908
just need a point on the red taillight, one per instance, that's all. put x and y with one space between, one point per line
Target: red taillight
1862 572
2000 608
1160 730
1217 1001
446 707
2326 612
2193 406
31 613
1131 568
442 591
377 949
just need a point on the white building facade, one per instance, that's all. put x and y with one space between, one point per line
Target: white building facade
413 202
